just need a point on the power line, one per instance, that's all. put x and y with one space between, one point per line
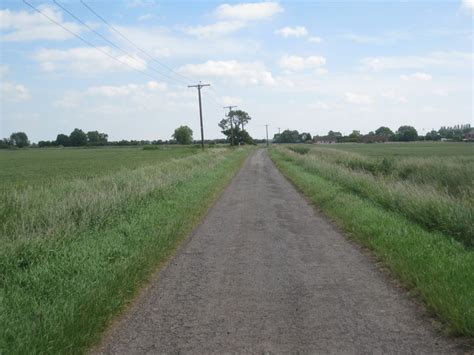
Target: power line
213 100
132 43
144 51
110 42
86 41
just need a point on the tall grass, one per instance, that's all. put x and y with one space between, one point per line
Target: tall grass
45 211
75 253
424 204
452 174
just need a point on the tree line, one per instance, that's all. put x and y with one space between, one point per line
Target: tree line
381 134
233 128
76 138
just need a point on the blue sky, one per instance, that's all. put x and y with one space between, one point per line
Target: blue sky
309 65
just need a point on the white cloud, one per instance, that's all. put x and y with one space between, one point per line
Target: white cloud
162 43
417 76
393 96
14 92
18 26
216 29
4 70
386 63
86 60
138 93
379 39
235 17
298 31
468 5
362 39
229 100
358 99
112 91
295 63
142 3
320 105
154 85
440 92
145 17
70 100
249 11
428 109
439 59
245 73
125 90
315 39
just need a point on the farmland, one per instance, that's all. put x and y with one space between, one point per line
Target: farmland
82 229
411 204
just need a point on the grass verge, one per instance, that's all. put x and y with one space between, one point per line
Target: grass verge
436 267
62 285
424 204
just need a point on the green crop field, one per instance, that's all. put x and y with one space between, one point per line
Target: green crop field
35 166
417 149
82 229
411 203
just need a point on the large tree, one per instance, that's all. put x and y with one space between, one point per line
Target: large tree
384 131
96 138
183 135
333 134
305 137
19 139
355 134
407 134
287 136
233 127
63 140
241 118
77 137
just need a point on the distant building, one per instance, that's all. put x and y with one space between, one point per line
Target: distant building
324 140
374 139
469 136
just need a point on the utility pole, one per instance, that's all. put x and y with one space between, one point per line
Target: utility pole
266 128
278 130
199 86
231 124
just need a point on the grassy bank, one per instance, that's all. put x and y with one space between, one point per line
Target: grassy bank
435 261
75 251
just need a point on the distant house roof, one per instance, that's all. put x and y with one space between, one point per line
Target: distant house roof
469 135
374 139
324 140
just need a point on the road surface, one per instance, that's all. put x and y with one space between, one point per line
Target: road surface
264 272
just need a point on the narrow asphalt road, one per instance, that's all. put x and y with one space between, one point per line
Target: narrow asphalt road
264 272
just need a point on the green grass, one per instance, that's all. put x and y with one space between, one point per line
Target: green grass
26 167
416 149
427 260
435 192
76 250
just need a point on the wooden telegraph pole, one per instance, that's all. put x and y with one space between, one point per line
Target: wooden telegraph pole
266 129
199 86
231 124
